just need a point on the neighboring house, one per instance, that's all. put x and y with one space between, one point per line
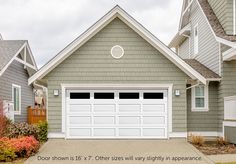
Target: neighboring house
117 80
16 66
206 36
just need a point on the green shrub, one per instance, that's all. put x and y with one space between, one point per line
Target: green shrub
43 131
7 152
22 129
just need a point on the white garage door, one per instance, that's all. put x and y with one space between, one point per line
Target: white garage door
116 114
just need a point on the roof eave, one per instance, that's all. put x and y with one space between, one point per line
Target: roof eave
137 27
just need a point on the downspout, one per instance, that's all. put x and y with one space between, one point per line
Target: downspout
46 90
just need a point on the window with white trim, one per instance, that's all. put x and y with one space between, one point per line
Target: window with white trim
16 98
200 98
195 38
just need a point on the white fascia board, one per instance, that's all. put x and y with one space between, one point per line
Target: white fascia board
120 13
226 42
13 58
25 63
187 8
31 55
186 28
229 54
181 17
68 50
168 53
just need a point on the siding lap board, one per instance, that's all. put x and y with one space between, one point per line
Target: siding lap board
208 47
16 74
93 64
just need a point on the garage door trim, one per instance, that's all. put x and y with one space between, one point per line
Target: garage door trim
167 87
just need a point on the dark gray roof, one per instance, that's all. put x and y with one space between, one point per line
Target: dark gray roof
8 48
214 21
202 69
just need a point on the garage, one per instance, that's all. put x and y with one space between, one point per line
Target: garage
116 114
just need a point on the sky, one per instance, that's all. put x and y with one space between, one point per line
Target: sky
50 25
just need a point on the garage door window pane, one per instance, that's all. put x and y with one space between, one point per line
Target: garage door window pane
104 95
153 95
129 95
79 95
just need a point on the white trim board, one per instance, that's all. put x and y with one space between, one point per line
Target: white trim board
218 39
169 87
25 46
206 133
18 87
117 12
178 135
229 54
56 135
229 123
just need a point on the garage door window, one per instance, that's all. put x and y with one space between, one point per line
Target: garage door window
153 95
129 95
103 95
80 95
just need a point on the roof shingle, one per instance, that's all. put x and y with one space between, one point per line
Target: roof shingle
214 21
8 48
202 69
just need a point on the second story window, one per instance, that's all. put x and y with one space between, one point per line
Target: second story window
195 33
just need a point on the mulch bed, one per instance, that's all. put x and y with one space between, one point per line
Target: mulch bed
212 148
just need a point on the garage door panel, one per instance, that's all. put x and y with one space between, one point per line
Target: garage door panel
105 132
82 132
154 120
159 132
129 120
80 120
104 107
104 120
127 115
74 108
130 132
159 108
129 108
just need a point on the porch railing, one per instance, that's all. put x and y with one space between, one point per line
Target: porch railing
230 108
36 115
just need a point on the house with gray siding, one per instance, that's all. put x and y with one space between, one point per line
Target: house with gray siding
207 35
117 80
17 64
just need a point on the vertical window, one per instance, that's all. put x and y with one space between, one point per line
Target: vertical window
200 98
196 34
16 98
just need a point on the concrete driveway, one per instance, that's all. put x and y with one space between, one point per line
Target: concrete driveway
118 151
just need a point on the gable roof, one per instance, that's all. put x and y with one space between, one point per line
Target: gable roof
132 23
10 49
214 21
202 69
